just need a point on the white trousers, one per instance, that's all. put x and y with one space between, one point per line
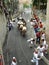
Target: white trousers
35 60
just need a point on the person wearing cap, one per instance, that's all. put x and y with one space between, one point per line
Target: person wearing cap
14 61
35 57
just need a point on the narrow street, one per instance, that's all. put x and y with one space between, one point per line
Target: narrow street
17 46
16 49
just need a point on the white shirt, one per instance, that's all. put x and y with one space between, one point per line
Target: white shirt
13 23
36 56
30 40
40 49
43 36
45 45
13 63
32 23
44 42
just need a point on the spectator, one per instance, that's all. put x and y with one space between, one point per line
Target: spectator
36 17
40 25
44 43
1 60
43 35
32 22
38 37
36 28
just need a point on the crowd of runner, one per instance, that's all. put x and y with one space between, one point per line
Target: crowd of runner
40 34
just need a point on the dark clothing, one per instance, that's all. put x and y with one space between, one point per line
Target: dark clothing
38 34
36 28
38 40
38 37
6 12
9 26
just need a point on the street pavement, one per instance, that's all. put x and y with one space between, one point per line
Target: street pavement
2 33
18 46
2 29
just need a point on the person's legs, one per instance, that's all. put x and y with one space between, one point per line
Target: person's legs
38 40
36 62
35 29
33 60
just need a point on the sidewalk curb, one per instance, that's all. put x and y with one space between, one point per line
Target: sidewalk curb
45 60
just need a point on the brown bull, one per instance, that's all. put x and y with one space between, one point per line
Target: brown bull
24 29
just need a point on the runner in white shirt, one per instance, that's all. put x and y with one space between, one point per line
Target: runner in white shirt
40 50
31 42
44 43
14 62
35 57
